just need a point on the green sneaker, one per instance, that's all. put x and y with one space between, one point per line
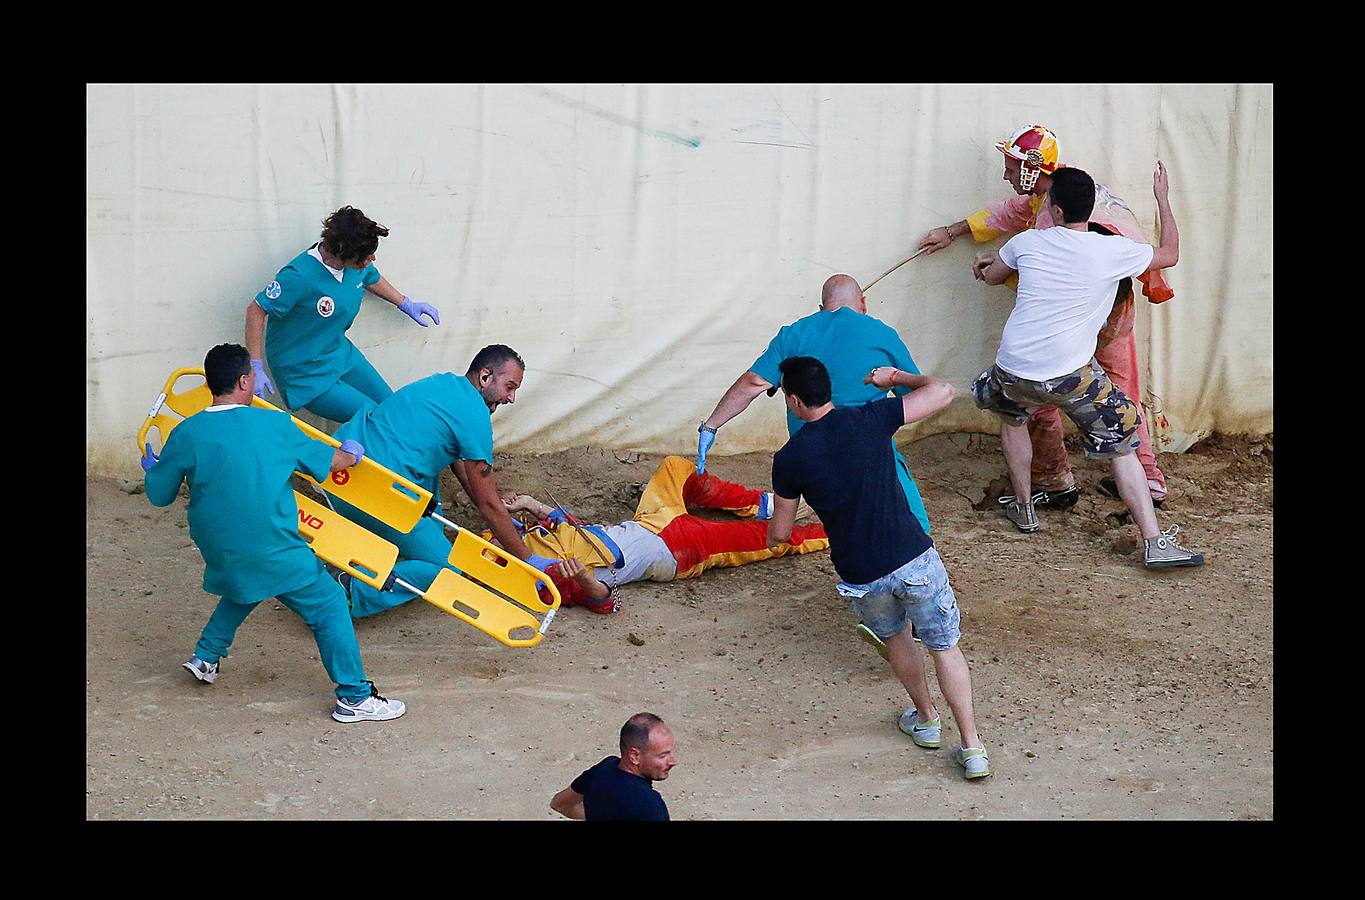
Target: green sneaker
974 761
928 735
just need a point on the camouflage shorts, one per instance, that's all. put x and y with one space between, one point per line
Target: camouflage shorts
1106 419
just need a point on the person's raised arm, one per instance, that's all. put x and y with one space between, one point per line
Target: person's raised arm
1168 254
928 394
568 803
941 237
734 401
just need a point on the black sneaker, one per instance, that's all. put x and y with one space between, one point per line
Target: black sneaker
1110 488
341 577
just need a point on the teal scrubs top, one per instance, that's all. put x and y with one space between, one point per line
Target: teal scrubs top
424 427
849 343
243 516
308 312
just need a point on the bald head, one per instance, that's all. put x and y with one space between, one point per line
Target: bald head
840 291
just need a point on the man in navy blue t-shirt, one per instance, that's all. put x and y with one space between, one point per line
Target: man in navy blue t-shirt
841 461
621 788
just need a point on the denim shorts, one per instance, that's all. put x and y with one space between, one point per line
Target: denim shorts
917 593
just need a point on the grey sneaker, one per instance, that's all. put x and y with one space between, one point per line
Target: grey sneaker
928 735
1162 552
974 762
1022 515
373 707
206 672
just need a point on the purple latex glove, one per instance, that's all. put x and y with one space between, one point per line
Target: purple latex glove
263 383
150 459
416 309
355 448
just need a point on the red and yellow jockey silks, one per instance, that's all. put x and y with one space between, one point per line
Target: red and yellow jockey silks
560 540
1037 150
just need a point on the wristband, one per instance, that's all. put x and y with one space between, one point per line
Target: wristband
703 427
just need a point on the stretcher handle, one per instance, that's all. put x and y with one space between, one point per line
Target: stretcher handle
539 576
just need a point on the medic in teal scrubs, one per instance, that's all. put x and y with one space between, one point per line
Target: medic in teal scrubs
442 420
850 343
238 461
305 312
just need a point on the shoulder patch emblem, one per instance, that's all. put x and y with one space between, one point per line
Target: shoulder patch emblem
325 306
272 290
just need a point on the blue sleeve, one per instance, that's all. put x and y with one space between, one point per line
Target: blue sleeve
888 415
783 485
658 811
765 366
282 294
370 275
311 456
581 784
476 440
162 481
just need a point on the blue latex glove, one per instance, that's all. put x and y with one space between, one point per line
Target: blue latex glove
355 448
263 383
150 459
415 311
705 438
540 562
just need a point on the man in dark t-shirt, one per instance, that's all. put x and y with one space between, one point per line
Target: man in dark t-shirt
841 461
621 788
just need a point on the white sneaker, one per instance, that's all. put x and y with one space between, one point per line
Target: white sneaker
974 762
928 735
375 707
206 672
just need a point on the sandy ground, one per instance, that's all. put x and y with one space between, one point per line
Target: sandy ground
1102 690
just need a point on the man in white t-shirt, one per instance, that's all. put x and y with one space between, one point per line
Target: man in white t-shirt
1067 279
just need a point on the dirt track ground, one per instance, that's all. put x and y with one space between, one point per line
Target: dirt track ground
1102 690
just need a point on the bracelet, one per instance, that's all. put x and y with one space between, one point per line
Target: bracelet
948 230
703 427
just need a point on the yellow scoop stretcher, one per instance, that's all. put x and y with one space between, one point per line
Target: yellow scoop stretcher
493 590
